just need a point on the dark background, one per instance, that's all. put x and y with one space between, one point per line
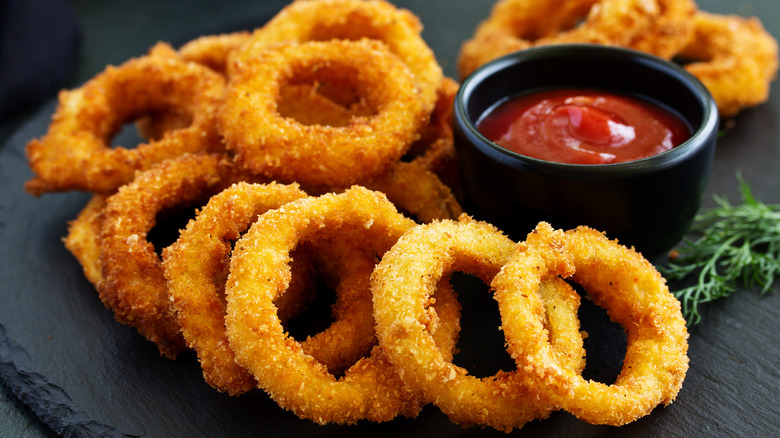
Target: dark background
103 378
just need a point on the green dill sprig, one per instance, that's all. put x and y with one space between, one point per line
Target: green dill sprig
736 244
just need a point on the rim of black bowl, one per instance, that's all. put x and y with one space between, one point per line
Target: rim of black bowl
699 135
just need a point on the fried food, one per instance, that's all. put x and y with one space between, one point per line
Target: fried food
417 192
322 20
134 286
423 183
343 106
514 25
196 267
406 278
734 57
671 30
259 271
284 149
213 51
76 154
435 150
344 264
83 238
654 25
635 296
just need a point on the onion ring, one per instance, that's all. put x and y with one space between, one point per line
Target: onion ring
154 126
83 241
417 192
734 57
405 279
435 150
322 20
75 153
660 26
195 267
83 238
634 295
213 51
134 285
286 150
670 31
198 259
370 389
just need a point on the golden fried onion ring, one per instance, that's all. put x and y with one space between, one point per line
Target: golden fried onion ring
435 150
83 238
734 57
259 271
213 51
75 153
195 267
406 278
324 20
670 31
417 192
285 149
634 295
83 241
661 27
134 285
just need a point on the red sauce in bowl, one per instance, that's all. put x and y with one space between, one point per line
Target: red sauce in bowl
582 126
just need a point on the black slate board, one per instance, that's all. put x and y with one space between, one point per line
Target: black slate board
63 355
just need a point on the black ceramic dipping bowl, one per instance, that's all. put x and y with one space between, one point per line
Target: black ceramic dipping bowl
648 203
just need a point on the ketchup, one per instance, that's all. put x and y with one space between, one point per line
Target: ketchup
582 126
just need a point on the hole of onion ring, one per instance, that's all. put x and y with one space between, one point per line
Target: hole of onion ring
148 127
327 101
316 318
128 137
481 348
154 125
605 344
340 92
168 222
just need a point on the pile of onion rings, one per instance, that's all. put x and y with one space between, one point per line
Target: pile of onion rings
539 320
735 57
315 155
327 94
335 104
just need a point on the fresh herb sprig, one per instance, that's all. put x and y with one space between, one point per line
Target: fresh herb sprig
736 244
